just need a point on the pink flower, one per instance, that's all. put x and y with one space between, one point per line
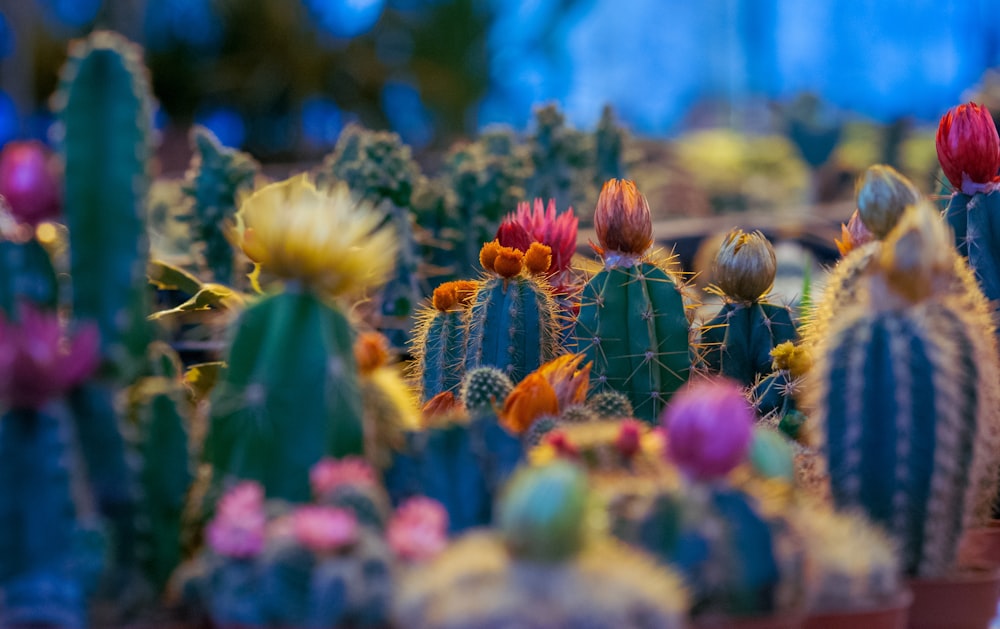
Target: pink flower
38 363
558 231
513 235
560 443
419 529
237 530
853 235
968 147
329 474
709 424
629 437
28 182
324 529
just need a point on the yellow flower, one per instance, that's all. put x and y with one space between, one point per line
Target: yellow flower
322 238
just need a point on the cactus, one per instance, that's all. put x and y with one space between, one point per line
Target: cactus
440 338
775 396
104 107
216 177
484 389
632 323
28 276
921 333
609 140
544 568
610 404
290 394
561 157
513 324
739 339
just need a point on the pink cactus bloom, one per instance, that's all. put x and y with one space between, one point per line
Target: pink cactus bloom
38 362
513 235
628 441
709 425
558 231
238 528
329 474
28 183
324 529
560 444
968 147
419 529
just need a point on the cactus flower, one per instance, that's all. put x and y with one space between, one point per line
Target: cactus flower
709 424
509 262
622 220
530 399
321 238
791 357
629 439
442 404
968 147
558 231
512 234
419 529
451 294
488 255
324 529
237 530
329 474
745 266
853 235
371 351
28 183
38 363
538 258
560 444
567 378
882 195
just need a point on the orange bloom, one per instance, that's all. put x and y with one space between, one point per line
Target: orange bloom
465 291
371 351
532 398
488 254
568 380
445 297
622 219
538 259
441 404
509 262
853 235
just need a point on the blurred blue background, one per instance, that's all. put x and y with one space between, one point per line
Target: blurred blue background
281 77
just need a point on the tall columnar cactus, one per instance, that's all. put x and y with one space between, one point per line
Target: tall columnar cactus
104 107
907 398
739 340
380 169
290 393
49 561
513 323
632 323
609 140
216 177
561 156
439 342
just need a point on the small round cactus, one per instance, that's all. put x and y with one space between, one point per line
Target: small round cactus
611 404
484 388
578 413
539 429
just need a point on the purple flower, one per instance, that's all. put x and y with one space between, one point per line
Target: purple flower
709 424
558 231
237 530
38 362
329 474
324 529
419 529
28 183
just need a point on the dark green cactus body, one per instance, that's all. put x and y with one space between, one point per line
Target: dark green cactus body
217 175
977 236
739 340
289 396
903 420
562 158
632 325
512 326
26 274
46 567
104 105
441 352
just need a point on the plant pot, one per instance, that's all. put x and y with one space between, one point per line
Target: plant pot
980 547
782 621
894 615
967 600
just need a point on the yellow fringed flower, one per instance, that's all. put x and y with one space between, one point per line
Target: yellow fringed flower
322 238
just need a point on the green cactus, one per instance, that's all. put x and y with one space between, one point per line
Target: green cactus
577 414
562 157
484 389
288 397
609 140
213 182
610 405
922 463
28 276
440 339
104 106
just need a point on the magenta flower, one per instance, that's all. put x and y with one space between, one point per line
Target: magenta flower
28 183
237 530
628 441
419 529
709 424
968 147
38 362
561 444
558 231
513 235
324 529
329 474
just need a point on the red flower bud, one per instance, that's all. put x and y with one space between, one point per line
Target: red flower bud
968 147
622 219
511 234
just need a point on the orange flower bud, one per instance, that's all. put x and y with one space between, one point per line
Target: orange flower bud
465 291
622 219
371 351
445 297
488 254
532 398
509 262
538 259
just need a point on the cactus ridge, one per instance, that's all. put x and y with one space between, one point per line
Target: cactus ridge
438 348
740 338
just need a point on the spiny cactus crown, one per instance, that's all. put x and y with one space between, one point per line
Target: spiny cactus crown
611 404
578 414
485 387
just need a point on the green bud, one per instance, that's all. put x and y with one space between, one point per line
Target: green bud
745 266
882 195
543 510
